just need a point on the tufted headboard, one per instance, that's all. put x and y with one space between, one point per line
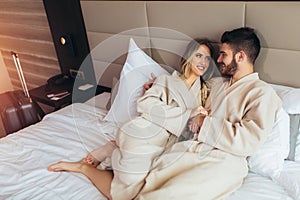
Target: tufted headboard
163 28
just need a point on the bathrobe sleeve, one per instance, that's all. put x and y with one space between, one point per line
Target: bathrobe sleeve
164 105
250 117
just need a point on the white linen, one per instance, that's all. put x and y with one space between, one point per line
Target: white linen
286 187
289 179
68 135
256 187
269 159
99 101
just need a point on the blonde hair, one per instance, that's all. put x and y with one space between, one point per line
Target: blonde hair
192 47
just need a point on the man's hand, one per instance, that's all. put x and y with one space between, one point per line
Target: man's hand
148 84
199 110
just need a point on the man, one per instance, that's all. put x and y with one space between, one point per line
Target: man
242 108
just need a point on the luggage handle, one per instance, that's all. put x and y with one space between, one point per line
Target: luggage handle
17 62
20 73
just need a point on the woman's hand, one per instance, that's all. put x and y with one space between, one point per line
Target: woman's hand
196 122
148 84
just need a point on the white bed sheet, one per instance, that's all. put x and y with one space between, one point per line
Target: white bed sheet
257 187
68 135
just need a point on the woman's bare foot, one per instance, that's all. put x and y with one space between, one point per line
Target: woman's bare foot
66 166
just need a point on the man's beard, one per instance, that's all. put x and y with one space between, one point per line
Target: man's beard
229 70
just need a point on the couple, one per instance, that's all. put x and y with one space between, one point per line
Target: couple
230 128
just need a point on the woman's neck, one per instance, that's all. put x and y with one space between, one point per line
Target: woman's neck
190 80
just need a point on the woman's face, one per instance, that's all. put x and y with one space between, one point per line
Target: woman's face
200 60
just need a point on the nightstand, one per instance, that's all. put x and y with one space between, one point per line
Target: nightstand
39 94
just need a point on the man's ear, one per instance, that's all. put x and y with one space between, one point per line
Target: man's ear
240 56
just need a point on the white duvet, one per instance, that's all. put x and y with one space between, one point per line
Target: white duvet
68 135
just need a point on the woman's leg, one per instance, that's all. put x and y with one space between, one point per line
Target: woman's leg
101 179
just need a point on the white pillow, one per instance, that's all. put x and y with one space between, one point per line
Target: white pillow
297 147
269 160
136 71
99 101
290 98
114 91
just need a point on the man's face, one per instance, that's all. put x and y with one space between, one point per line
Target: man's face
226 61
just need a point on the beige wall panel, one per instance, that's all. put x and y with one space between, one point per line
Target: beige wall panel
207 19
94 38
168 52
106 71
279 66
277 23
114 16
167 59
101 43
114 49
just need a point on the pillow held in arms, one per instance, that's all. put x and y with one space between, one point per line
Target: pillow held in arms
135 73
269 160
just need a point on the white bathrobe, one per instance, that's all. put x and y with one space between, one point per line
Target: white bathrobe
214 165
165 109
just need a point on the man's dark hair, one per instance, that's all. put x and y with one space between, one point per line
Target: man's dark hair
243 39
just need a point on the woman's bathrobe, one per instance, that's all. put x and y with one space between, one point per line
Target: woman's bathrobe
214 165
165 109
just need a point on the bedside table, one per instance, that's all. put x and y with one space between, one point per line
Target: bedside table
39 94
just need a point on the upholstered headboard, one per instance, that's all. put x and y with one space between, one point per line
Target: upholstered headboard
163 28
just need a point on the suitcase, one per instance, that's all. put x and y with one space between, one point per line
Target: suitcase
17 108
17 111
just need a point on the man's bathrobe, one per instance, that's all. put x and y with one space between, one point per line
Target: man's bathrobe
165 109
214 165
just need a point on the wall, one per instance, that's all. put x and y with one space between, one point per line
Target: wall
5 83
24 29
277 24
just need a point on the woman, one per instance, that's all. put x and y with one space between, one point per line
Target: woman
165 109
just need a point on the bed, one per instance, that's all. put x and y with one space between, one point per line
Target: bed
71 132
